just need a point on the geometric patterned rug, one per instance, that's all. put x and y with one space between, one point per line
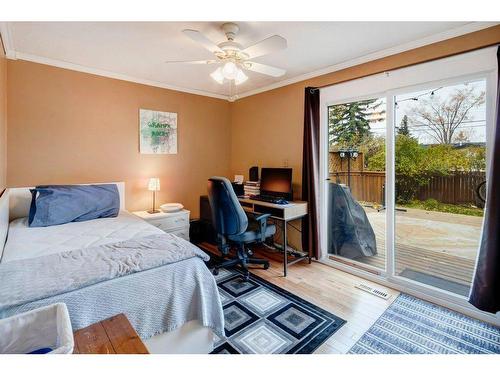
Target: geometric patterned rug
262 318
413 326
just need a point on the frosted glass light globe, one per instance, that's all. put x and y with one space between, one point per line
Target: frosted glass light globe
230 70
240 77
218 76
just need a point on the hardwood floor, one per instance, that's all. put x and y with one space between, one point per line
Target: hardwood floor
331 289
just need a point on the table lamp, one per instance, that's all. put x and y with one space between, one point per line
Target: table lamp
154 186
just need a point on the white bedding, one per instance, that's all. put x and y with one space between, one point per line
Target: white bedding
25 242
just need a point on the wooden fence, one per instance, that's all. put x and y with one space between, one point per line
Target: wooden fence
365 186
458 188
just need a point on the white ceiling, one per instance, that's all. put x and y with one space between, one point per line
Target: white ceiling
136 51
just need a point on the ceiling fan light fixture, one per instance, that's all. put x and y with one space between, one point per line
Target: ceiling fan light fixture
230 70
240 77
218 76
234 58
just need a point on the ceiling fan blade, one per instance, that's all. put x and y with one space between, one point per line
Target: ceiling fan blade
266 46
264 69
203 40
195 62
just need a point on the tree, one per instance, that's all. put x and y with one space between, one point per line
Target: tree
411 168
440 118
416 164
371 147
376 162
403 127
349 124
474 158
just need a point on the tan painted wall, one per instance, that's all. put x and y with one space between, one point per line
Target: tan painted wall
71 127
3 119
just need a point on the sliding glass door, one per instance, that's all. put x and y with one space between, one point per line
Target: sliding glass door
356 182
404 157
440 164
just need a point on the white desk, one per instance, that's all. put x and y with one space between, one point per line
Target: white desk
284 213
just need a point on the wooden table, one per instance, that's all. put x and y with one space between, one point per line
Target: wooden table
111 336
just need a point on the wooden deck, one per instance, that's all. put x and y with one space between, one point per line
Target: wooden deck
442 262
448 267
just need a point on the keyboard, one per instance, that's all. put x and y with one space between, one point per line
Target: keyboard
269 199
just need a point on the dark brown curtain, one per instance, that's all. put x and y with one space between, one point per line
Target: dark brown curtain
310 172
485 293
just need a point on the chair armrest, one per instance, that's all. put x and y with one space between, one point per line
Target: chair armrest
262 220
259 217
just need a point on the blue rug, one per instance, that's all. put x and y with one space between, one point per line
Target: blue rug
262 318
411 325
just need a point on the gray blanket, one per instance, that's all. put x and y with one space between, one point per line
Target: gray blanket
36 278
100 282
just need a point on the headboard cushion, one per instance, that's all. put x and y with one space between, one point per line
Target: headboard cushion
20 199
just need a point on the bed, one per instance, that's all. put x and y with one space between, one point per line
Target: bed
174 307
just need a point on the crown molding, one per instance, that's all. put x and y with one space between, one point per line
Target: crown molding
452 33
12 54
108 74
8 43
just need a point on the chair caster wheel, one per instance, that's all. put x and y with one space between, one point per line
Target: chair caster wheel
266 266
215 272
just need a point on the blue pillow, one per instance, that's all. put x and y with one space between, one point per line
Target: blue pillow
60 204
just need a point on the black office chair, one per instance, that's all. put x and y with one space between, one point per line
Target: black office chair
234 227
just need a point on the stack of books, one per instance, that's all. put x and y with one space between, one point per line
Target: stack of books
252 188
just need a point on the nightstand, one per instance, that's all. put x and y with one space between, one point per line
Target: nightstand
172 222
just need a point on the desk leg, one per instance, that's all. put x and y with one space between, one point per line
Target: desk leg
285 249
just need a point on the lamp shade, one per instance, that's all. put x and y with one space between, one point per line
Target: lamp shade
154 184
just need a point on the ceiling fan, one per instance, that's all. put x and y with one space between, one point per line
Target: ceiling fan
233 58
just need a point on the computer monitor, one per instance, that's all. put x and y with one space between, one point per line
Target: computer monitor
276 182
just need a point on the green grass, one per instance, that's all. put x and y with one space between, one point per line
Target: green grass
434 205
